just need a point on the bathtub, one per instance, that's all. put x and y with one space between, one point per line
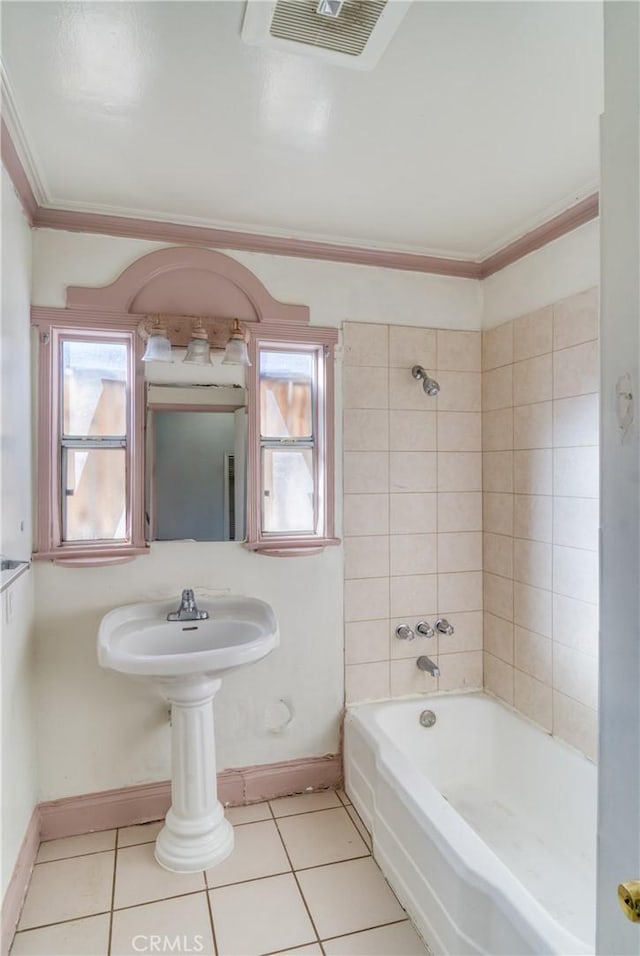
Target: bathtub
483 824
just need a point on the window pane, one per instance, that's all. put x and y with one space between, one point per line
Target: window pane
94 388
287 476
94 495
286 394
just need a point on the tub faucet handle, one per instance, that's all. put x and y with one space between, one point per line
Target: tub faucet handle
404 632
424 629
443 626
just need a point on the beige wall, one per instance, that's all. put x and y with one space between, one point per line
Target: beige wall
540 483
412 508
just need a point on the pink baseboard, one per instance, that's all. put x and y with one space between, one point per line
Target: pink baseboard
17 889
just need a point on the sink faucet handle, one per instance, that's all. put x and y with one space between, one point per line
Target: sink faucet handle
443 626
424 629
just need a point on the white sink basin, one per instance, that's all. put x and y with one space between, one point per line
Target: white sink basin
138 639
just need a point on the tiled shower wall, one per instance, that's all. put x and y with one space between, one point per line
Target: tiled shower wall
412 508
540 482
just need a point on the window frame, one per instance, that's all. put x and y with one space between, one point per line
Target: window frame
50 444
320 342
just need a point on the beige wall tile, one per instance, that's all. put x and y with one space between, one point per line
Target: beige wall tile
498 513
365 387
575 623
575 319
366 514
576 371
498 554
460 551
576 573
532 472
497 471
498 596
467 632
497 346
459 431
409 346
498 637
459 392
532 426
407 678
412 430
533 654
533 517
366 599
459 471
532 380
413 595
576 724
366 681
405 392
366 344
366 472
459 351
533 334
366 429
366 557
533 699
459 511
576 472
497 430
576 421
413 514
576 522
532 562
413 471
366 641
498 678
460 671
575 675
532 608
460 592
497 388
413 554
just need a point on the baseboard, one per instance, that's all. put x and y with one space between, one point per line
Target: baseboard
126 806
19 883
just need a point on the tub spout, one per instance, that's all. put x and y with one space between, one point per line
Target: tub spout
425 663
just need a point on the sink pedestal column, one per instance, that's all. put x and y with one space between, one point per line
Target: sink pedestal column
196 834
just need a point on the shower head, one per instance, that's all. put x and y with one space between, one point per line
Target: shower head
429 384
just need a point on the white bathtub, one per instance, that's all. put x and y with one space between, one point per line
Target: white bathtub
483 824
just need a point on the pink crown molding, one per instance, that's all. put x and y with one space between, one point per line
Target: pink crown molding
161 231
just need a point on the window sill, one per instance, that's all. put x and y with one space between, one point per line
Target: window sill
90 558
291 547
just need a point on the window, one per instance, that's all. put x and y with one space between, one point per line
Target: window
291 462
88 453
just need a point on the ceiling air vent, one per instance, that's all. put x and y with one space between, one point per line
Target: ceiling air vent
352 33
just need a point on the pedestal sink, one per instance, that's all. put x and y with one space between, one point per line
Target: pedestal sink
187 660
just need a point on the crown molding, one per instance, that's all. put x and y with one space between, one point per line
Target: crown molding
45 217
19 139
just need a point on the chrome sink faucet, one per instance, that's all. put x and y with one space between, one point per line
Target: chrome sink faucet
188 610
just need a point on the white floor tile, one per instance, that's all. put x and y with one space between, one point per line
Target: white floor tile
258 852
186 918
141 833
400 939
302 951
139 879
359 825
327 836
304 802
251 814
81 937
346 897
343 796
76 846
260 917
68 889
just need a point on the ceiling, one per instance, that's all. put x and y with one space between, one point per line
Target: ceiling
479 122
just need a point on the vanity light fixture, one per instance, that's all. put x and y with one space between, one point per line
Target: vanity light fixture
236 352
158 345
198 347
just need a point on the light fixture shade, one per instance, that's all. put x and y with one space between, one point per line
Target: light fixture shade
236 352
198 352
158 348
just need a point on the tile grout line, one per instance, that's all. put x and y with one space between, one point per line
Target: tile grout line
113 894
207 894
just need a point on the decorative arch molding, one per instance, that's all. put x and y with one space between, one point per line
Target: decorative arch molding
184 280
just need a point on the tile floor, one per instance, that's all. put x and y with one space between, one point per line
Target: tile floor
300 880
